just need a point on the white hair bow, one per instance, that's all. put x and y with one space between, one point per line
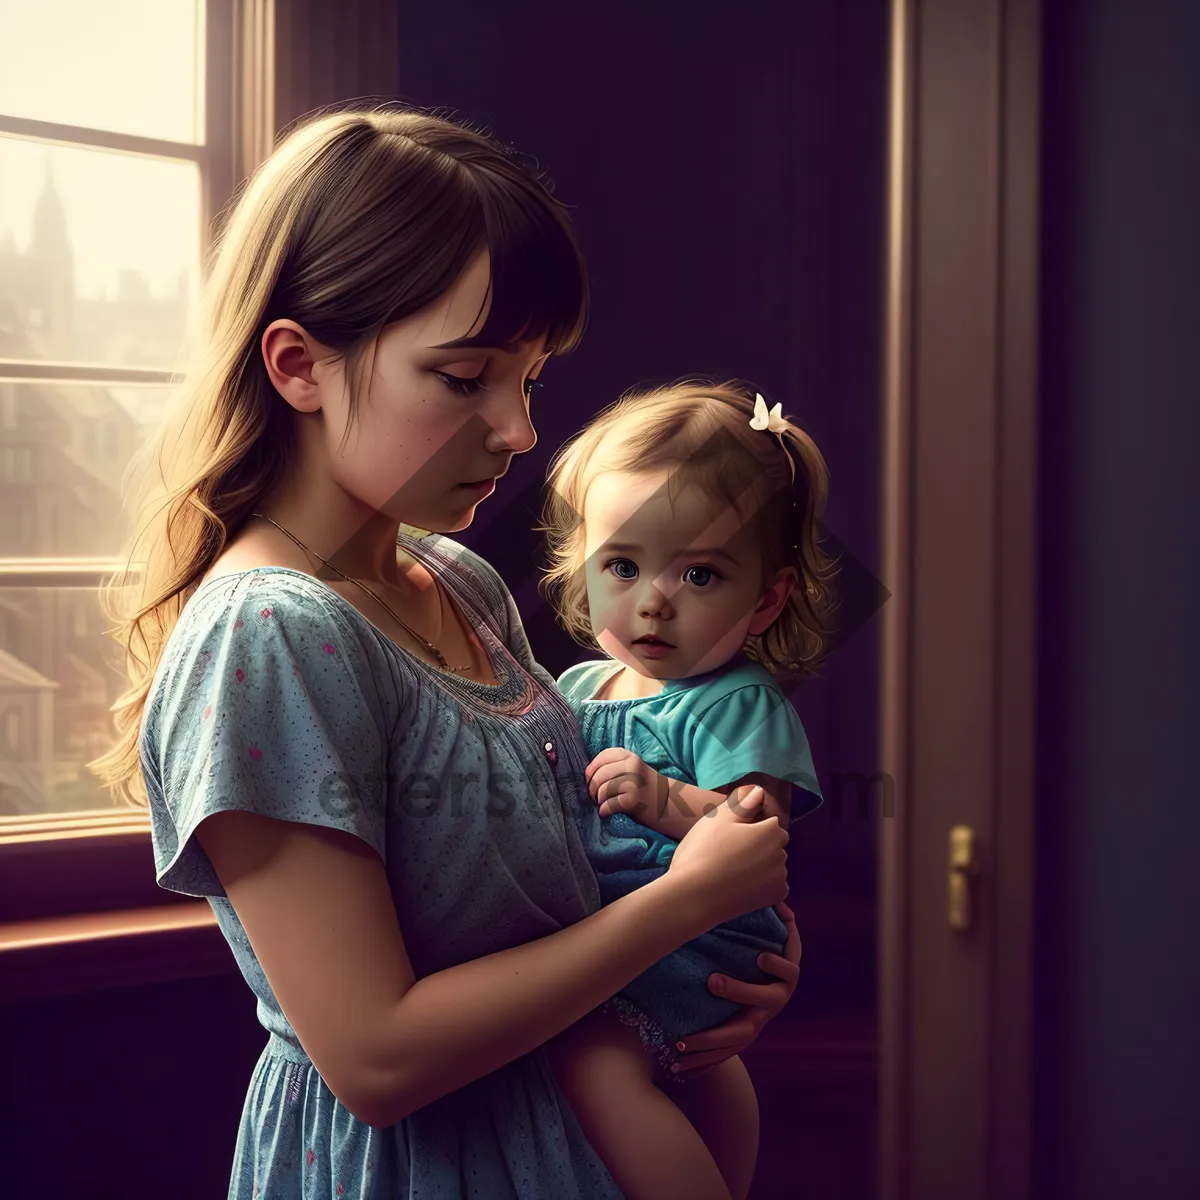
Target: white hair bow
772 421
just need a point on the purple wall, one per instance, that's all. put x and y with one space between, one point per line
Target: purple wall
726 170
1119 1059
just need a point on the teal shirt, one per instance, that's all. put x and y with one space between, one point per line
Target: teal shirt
708 730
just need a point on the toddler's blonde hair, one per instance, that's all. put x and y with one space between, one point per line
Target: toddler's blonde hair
701 432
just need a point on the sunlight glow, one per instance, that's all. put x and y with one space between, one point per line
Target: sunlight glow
130 66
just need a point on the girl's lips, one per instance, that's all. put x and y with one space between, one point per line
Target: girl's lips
484 487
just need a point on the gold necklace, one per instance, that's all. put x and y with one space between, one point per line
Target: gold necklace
441 659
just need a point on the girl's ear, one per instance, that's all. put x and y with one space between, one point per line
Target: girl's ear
771 603
290 355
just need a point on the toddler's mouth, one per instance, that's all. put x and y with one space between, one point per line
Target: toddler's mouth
652 639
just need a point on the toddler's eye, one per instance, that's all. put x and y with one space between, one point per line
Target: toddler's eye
458 383
707 575
617 565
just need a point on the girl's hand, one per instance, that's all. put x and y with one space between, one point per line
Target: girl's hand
730 863
621 782
763 1002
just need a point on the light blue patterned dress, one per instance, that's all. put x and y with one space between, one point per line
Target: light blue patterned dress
276 696
707 730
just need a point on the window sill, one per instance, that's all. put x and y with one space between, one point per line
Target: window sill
70 955
59 866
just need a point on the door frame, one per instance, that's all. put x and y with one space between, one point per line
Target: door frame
958 637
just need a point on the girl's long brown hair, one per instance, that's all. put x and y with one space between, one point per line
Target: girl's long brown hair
359 218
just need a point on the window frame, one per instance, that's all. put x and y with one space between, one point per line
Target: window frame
87 878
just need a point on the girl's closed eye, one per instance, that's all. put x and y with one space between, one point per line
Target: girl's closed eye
465 385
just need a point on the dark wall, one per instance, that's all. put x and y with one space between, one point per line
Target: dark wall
126 1094
725 168
1119 1061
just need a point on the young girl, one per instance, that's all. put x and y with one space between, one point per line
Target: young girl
682 528
322 707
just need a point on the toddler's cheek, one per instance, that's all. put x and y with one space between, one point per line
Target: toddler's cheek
610 643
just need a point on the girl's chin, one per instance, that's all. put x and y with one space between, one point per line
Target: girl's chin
447 519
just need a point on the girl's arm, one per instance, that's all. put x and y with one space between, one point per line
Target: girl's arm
317 908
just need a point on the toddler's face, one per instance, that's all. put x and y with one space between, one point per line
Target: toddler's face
674 583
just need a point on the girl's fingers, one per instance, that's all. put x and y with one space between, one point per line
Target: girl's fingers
754 797
784 968
735 1034
693 1064
792 948
749 805
770 996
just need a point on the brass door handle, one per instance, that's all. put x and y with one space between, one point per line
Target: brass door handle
964 866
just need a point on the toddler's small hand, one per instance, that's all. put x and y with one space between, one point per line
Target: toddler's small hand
619 781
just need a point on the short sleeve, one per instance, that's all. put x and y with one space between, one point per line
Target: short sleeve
752 729
271 704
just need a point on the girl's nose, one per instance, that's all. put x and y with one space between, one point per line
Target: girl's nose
512 428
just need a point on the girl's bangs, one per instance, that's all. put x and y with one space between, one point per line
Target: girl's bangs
538 285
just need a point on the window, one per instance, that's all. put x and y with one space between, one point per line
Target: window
107 172
118 144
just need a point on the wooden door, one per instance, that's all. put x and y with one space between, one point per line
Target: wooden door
958 670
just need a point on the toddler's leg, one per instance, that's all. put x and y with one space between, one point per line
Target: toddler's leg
649 1146
723 1108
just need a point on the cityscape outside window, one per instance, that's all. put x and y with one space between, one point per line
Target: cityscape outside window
101 176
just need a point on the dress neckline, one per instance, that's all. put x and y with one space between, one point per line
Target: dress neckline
503 666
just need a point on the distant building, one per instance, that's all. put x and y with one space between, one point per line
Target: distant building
63 450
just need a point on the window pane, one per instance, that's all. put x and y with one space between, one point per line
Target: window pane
59 674
99 255
63 448
122 65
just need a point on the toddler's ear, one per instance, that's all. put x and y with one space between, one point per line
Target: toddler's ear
771 603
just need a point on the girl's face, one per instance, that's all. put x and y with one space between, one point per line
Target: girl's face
674 584
436 423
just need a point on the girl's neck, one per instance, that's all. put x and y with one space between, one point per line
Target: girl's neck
355 539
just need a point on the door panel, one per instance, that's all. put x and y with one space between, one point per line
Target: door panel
958 677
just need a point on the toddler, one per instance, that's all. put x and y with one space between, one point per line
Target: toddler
682 525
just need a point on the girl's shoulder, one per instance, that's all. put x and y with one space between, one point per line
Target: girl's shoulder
261 616
265 598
